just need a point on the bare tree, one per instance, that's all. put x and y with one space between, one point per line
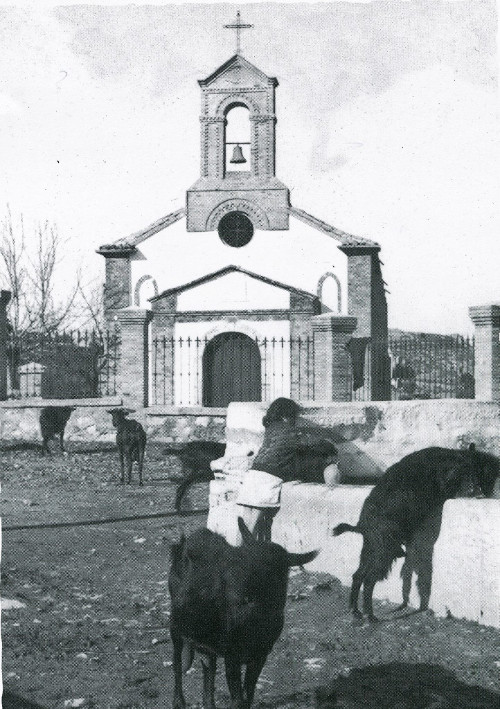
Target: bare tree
12 263
31 275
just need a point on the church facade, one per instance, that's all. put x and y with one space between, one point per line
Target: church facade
236 282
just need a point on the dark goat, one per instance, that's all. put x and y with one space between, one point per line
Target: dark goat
195 458
131 442
402 499
229 602
53 419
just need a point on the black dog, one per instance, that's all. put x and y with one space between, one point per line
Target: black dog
130 441
195 458
228 602
403 498
53 419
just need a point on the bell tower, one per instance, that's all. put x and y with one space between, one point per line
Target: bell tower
238 188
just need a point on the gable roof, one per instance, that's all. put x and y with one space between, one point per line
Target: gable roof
223 272
237 60
128 243
342 236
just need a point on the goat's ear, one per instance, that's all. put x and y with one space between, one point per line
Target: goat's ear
472 448
300 559
246 534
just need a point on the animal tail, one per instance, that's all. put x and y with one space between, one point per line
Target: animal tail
343 527
186 484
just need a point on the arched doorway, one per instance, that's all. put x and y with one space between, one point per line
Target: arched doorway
231 370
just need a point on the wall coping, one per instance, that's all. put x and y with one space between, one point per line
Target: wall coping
185 411
38 403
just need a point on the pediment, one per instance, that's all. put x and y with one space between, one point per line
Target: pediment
237 72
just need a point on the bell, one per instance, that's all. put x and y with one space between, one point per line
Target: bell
238 156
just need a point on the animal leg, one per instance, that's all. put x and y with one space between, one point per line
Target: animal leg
253 670
45 446
209 664
129 460
406 576
182 489
357 580
61 441
368 587
140 463
179 702
121 454
233 677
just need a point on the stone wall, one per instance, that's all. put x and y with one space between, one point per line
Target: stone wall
463 565
461 570
19 421
372 436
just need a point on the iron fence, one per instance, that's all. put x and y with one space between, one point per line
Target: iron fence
425 366
71 364
193 371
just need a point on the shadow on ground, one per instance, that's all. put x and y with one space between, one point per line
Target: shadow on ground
14 701
401 685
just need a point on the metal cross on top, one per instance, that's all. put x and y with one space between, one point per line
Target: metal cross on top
238 26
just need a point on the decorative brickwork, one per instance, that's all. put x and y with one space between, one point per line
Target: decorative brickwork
117 289
133 374
238 83
331 360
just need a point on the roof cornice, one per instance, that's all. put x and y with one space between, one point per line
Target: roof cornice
127 245
224 271
346 240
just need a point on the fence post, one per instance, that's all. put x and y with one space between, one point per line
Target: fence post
4 301
133 366
486 319
332 363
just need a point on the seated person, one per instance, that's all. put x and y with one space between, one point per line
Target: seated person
289 452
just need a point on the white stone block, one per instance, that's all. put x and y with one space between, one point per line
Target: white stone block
465 562
466 577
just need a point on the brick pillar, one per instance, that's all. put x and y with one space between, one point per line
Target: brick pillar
133 367
4 300
332 362
486 319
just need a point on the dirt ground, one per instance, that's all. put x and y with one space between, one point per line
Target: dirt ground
93 627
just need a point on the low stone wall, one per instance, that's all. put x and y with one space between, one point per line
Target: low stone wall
464 561
462 567
372 436
19 421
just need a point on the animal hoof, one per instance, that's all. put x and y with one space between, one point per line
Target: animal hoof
373 619
402 607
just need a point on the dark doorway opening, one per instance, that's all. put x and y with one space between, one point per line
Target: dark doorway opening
231 370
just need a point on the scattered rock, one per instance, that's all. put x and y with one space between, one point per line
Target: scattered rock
74 703
314 663
9 604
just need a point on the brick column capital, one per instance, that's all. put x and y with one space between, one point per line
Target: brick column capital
486 319
133 315
483 315
334 323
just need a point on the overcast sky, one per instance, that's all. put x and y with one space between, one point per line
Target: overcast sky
387 128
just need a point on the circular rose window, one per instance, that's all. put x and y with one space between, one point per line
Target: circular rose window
235 229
